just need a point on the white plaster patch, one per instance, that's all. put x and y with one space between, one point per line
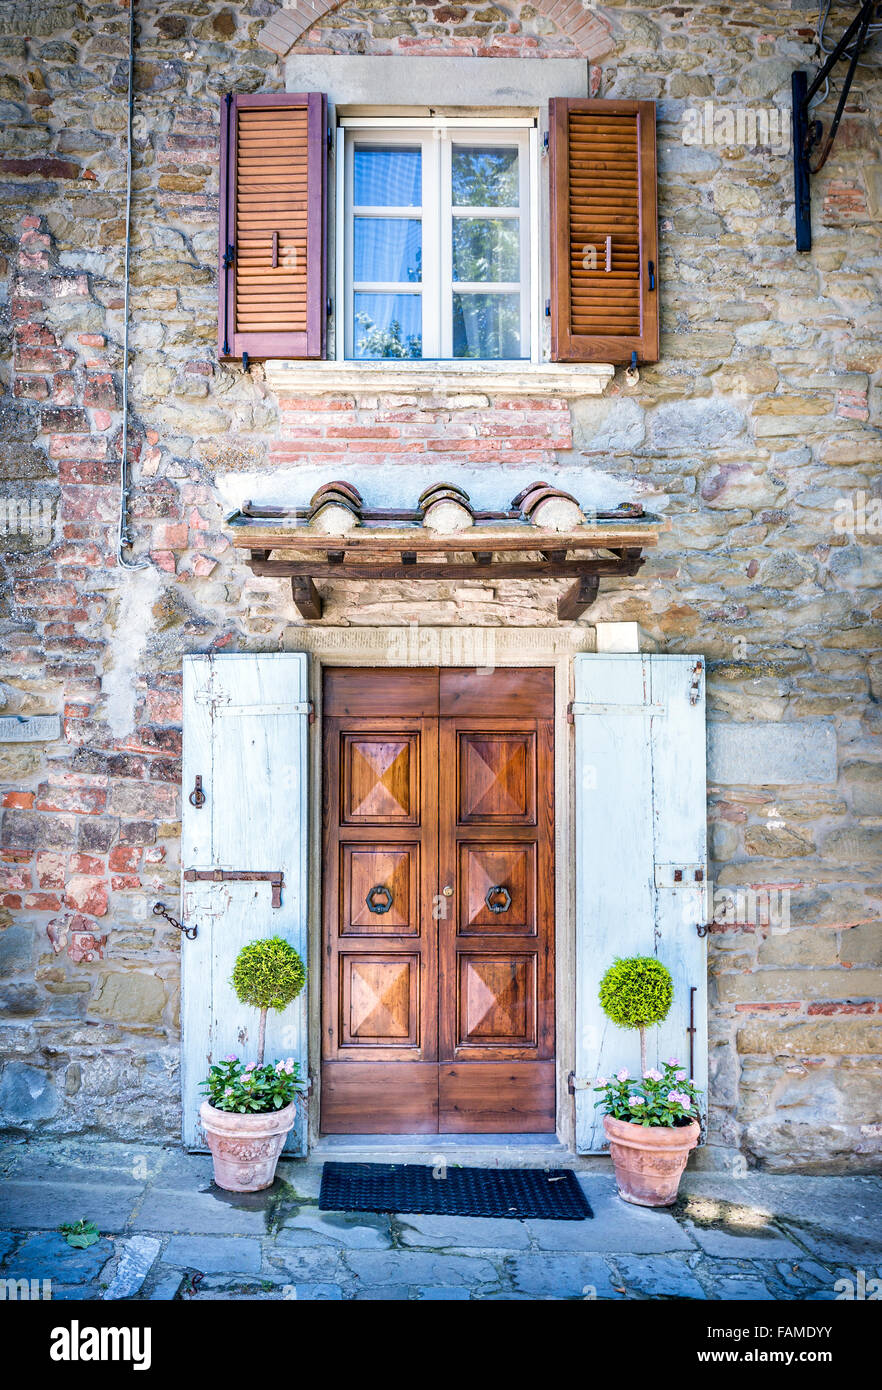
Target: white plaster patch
137 593
399 485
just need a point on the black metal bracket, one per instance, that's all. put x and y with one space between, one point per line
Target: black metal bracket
275 877
807 133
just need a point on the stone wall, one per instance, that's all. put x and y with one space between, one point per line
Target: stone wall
758 434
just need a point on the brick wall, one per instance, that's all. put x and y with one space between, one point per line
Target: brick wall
759 434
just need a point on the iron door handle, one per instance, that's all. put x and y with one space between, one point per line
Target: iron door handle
379 899
498 892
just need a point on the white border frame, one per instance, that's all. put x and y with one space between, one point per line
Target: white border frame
460 646
407 129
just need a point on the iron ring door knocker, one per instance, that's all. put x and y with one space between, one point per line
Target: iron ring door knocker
379 899
197 795
498 898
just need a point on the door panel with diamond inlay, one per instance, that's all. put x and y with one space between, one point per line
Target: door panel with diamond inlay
438 900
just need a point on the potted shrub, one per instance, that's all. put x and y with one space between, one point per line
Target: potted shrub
651 1120
250 1108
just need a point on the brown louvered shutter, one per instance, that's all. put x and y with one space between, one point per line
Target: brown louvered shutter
272 225
604 241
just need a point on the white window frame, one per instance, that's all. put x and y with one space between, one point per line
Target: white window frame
435 136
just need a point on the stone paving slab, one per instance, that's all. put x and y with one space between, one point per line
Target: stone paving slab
200 1213
742 1290
439 1232
616 1225
846 1205
417 1269
658 1278
562 1276
45 1205
48 1256
321 1265
135 1258
848 1250
215 1254
352 1230
745 1243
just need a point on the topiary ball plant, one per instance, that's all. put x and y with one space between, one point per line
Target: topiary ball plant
637 993
268 974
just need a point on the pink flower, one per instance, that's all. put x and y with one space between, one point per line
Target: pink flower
636 1100
601 1081
680 1075
674 1097
652 1075
623 1074
251 1066
231 1057
672 1062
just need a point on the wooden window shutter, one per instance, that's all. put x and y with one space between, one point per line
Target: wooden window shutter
271 271
604 241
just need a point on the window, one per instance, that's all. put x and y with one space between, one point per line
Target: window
435 238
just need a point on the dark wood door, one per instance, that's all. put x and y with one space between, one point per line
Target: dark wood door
438 901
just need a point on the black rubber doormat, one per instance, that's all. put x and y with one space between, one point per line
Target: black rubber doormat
552 1194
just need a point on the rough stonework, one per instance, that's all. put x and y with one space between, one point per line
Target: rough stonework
758 435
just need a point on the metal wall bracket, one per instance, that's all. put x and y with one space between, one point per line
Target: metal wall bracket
807 133
275 877
578 1083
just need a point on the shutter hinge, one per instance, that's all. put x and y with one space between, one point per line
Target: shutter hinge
578 1083
244 361
329 307
545 143
330 141
695 685
229 256
310 712
652 275
548 308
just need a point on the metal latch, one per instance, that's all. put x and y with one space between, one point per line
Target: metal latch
275 877
578 1083
582 707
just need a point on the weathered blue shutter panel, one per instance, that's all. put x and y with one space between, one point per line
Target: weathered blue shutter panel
245 736
641 857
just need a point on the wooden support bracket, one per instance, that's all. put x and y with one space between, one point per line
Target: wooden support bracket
306 597
577 598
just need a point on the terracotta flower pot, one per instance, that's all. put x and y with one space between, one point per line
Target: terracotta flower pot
245 1148
649 1161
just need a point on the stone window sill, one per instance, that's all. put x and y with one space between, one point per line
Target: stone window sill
432 379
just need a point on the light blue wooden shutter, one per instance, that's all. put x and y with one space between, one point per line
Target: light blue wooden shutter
245 735
641 857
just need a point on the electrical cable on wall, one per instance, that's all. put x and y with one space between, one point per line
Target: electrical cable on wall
124 540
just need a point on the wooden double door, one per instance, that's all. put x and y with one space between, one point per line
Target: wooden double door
438 901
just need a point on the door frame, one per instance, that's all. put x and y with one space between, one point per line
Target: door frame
481 647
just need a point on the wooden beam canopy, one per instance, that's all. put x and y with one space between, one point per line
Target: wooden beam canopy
398 544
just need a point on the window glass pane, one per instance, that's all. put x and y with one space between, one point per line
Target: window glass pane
388 325
388 249
485 177
486 325
485 249
387 177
